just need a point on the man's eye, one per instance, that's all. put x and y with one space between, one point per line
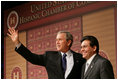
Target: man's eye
60 39
83 46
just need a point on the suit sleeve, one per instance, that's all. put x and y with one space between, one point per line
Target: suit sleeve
31 57
106 71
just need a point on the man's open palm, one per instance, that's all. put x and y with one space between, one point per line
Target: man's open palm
13 34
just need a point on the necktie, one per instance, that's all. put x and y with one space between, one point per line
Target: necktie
87 65
64 62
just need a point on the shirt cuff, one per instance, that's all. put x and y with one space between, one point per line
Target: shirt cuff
17 46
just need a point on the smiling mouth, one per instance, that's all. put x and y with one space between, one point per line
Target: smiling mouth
83 54
58 45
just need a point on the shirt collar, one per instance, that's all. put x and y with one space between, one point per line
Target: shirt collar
90 59
68 53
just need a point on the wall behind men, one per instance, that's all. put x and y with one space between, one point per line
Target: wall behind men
15 65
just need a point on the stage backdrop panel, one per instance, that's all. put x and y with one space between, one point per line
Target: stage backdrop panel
101 25
43 38
15 64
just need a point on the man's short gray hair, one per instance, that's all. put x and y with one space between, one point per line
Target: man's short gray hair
68 36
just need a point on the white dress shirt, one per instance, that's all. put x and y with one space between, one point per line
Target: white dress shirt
70 62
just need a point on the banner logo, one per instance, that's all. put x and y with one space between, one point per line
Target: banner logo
16 73
12 20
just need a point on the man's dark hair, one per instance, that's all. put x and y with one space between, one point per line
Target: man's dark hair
93 41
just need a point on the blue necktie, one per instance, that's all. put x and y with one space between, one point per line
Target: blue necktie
64 62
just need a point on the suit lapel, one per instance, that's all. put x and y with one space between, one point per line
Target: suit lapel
83 69
75 60
89 69
59 64
91 66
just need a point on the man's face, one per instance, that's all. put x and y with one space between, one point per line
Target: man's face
86 50
61 43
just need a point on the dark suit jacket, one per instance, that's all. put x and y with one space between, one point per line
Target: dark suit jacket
51 60
100 68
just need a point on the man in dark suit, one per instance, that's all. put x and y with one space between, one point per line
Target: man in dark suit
57 66
96 67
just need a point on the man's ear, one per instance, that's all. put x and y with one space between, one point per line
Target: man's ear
95 48
69 42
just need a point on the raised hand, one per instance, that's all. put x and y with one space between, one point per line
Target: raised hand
13 34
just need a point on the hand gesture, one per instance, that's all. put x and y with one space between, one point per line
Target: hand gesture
13 34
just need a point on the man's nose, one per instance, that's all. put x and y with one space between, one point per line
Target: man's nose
82 49
57 41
